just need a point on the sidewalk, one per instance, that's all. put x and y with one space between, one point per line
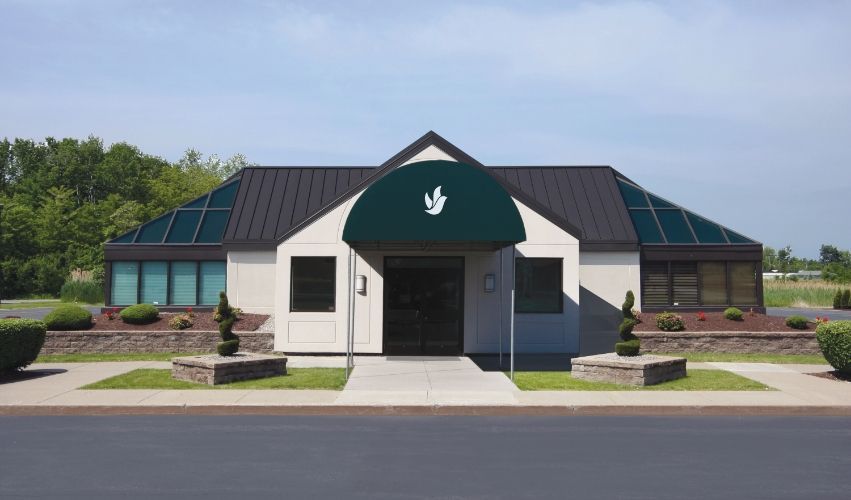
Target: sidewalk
419 386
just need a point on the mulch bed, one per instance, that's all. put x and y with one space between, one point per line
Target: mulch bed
203 321
833 375
716 322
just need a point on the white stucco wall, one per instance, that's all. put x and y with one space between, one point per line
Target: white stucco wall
604 278
326 331
251 281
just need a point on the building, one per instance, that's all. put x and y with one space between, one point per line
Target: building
433 243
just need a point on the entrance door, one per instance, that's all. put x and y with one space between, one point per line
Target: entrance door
423 306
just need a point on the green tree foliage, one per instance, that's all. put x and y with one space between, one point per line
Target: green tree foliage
64 198
630 345
226 316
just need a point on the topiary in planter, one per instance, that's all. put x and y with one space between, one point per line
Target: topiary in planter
226 315
68 317
837 300
733 314
631 345
797 322
20 342
834 339
669 322
140 314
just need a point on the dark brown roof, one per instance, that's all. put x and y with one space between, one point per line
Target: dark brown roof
587 197
273 203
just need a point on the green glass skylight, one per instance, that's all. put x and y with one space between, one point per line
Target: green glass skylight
645 225
200 221
676 226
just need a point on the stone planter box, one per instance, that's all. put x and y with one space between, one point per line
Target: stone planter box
183 341
212 369
646 369
803 342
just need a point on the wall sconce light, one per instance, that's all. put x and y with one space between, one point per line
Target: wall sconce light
490 283
360 283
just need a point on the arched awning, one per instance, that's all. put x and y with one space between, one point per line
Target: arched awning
434 204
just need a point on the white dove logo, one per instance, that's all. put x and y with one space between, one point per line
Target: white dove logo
435 205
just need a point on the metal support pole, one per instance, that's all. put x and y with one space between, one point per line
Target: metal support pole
349 314
1 241
354 265
501 304
513 272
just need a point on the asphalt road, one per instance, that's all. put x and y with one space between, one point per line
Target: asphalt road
38 312
425 457
833 314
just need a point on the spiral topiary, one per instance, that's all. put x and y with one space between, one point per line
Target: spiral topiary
226 316
630 345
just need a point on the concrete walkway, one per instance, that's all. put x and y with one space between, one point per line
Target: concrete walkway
387 385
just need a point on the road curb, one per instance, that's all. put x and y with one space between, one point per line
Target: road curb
36 410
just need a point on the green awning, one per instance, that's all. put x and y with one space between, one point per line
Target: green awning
439 203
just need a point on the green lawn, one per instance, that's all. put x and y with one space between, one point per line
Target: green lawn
95 357
5 306
296 378
696 380
801 359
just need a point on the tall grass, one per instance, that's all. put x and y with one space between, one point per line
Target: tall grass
799 293
81 291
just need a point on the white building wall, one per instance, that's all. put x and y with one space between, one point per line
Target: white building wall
604 278
251 281
326 331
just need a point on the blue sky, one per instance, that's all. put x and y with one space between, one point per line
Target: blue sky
740 111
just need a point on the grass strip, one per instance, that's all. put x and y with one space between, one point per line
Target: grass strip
732 357
296 378
98 357
696 380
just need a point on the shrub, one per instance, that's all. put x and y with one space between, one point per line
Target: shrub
227 315
81 291
20 342
701 316
834 339
670 322
797 322
733 314
837 300
630 344
846 299
628 348
180 322
68 317
140 314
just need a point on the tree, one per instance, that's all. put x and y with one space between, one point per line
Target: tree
226 316
769 258
784 259
630 344
829 254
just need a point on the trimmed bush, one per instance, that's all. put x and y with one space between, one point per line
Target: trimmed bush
797 322
68 317
20 342
846 299
837 300
140 314
628 348
631 345
834 339
226 316
670 322
180 322
81 291
733 314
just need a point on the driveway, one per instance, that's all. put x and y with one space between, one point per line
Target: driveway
39 312
833 314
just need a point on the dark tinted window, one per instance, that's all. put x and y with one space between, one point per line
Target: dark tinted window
674 225
538 285
212 226
184 226
645 224
154 231
707 232
632 196
313 282
223 197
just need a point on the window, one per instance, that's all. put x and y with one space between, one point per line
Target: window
125 283
538 285
154 289
654 284
313 284
684 283
184 283
212 279
743 283
713 283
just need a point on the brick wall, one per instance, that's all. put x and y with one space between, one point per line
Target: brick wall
143 341
803 342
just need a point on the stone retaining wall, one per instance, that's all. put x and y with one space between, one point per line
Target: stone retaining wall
149 341
803 342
